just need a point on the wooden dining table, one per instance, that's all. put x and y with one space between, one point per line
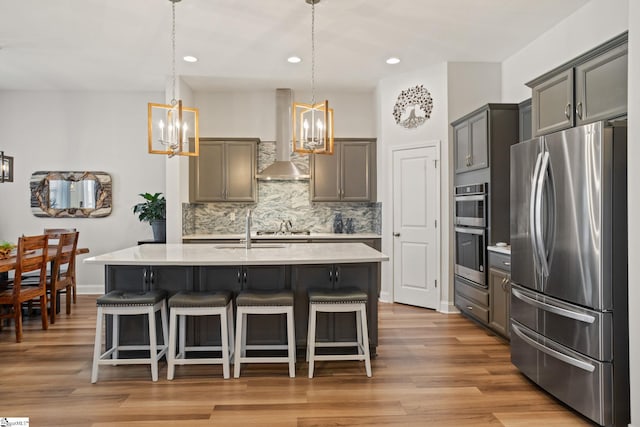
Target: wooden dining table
9 264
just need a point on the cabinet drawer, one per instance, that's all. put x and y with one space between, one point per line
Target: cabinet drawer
471 308
472 292
500 261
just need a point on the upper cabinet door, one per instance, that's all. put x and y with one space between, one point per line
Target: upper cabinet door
206 173
601 86
478 141
461 138
356 171
325 176
241 171
552 104
470 138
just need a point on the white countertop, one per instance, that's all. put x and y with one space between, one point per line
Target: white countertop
190 254
500 249
240 236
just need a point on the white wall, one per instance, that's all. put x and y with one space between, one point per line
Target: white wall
391 135
80 131
471 85
591 25
595 23
253 114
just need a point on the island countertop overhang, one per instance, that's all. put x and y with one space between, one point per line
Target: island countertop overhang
199 254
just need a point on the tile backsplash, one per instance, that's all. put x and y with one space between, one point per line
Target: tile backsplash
278 201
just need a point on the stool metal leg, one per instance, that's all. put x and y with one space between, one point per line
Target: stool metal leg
224 337
97 346
291 342
153 348
311 344
365 339
238 353
115 336
171 351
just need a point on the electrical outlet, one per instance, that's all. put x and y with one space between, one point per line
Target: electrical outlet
232 216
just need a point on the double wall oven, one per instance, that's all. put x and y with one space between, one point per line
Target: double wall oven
471 232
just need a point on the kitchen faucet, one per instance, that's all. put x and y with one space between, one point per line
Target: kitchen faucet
247 226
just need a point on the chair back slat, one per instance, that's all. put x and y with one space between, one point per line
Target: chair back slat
31 255
65 255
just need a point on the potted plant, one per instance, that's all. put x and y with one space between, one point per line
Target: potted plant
153 210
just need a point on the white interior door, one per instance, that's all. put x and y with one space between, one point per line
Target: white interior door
416 207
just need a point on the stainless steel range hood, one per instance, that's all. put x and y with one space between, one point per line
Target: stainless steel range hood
283 168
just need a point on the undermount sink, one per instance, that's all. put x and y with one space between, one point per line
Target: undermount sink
253 246
283 233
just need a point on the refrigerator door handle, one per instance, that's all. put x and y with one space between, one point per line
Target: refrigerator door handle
553 353
532 209
585 318
542 177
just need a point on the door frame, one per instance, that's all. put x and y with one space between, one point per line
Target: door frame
437 144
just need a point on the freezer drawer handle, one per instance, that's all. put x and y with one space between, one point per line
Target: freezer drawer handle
553 353
586 318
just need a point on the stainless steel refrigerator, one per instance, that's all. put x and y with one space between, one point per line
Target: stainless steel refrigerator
569 314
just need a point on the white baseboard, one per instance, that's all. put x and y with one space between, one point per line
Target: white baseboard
385 297
448 308
90 289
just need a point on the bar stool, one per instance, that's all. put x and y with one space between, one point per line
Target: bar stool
339 301
264 302
185 303
118 303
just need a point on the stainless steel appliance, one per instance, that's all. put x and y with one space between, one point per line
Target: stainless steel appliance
471 232
569 315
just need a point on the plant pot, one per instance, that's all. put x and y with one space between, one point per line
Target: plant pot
159 227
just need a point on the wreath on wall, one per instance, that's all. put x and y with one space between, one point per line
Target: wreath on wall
413 107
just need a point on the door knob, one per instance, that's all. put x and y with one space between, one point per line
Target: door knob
396 234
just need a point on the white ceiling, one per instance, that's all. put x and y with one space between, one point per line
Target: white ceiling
125 44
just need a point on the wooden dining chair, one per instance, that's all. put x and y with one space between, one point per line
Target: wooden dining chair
31 256
61 277
54 234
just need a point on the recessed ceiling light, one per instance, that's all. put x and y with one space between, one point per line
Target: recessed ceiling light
393 60
190 58
294 59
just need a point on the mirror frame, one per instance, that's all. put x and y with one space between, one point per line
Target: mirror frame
39 186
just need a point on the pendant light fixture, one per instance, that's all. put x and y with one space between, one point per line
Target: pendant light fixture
173 129
6 168
312 123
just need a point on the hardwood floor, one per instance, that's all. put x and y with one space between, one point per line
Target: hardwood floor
431 370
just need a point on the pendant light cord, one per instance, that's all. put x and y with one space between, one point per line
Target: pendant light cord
313 53
173 48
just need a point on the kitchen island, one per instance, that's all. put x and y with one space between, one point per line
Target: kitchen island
230 266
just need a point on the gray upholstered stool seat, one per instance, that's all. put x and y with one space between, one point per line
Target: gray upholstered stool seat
262 298
200 299
204 303
345 295
117 303
125 298
258 303
341 300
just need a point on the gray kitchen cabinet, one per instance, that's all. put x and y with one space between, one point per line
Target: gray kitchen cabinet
601 86
348 175
470 140
144 278
524 120
262 330
499 292
472 299
552 103
334 326
588 88
225 171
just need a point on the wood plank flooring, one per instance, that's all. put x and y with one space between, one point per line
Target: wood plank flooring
431 370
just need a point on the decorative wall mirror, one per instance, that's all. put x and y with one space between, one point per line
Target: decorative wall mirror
70 194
